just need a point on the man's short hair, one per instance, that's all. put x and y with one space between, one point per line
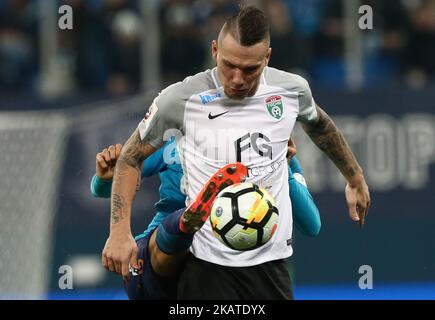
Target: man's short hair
250 26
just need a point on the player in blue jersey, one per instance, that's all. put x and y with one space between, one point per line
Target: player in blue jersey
156 276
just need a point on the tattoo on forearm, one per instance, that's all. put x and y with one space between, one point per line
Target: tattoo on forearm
134 151
117 206
330 140
133 154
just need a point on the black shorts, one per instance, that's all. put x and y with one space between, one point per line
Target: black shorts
204 280
144 283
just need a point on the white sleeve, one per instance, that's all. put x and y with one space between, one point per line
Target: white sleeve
307 106
165 115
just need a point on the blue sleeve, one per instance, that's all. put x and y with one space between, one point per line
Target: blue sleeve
101 188
306 215
154 163
159 160
295 166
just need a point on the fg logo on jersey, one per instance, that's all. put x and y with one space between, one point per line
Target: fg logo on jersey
257 141
274 106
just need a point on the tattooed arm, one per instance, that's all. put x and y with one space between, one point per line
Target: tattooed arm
126 179
121 249
331 141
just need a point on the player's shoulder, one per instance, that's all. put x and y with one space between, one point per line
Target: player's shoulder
183 90
199 82
286 80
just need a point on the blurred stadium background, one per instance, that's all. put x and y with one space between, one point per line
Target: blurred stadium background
66 94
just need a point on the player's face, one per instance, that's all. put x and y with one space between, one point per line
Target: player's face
240 67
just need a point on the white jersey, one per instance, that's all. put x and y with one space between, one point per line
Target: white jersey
216 130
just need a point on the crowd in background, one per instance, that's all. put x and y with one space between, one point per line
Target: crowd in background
102 52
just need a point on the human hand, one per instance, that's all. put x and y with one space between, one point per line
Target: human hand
291 149
106 160
119 253
358 201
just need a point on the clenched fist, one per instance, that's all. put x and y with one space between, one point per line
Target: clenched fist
106 160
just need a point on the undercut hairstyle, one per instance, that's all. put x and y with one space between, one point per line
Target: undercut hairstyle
249 27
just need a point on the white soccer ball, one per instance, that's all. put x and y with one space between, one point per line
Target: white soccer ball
244 216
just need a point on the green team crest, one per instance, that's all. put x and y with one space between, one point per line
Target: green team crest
274 106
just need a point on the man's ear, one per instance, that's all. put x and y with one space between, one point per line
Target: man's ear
214 49
269 53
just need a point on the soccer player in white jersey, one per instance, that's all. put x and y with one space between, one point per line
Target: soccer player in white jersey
239 115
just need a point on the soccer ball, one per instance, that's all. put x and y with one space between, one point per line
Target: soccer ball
244 216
